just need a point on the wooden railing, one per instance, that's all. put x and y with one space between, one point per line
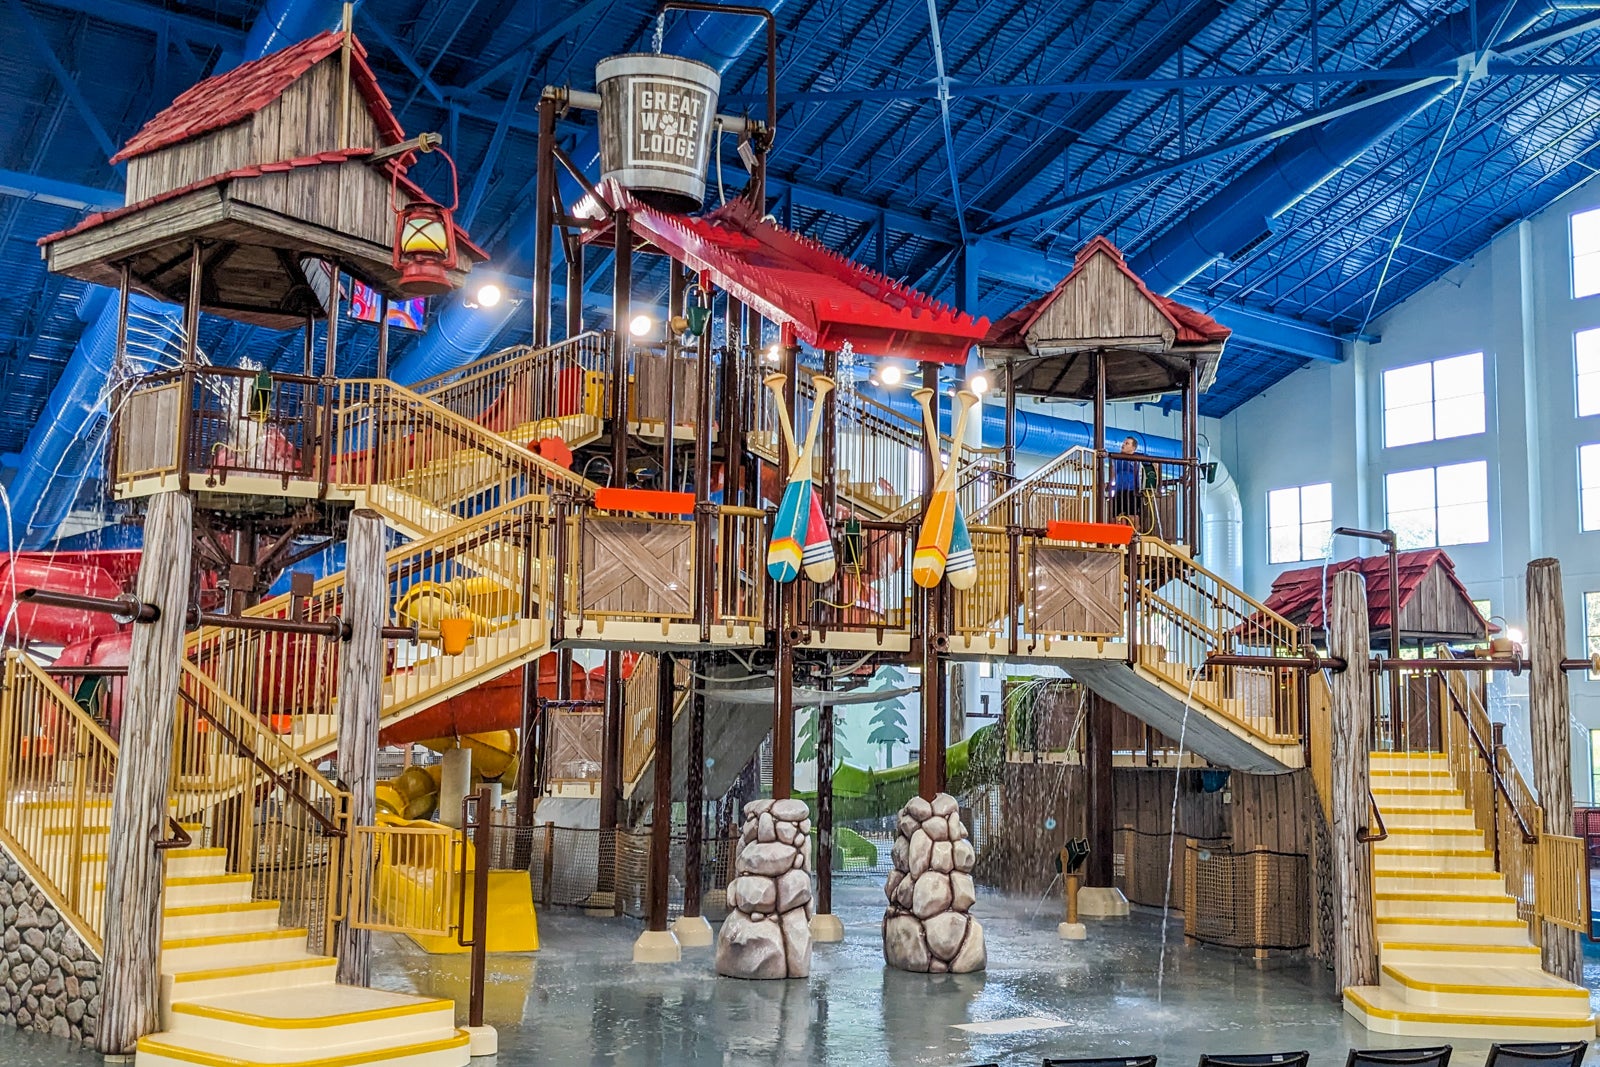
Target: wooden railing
639 716
522 386
403 879
1061 489
56 771
238 787
872 589
1319 729
1185 612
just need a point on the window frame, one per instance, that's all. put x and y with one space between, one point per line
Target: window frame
1435 507
1300 524
1439 397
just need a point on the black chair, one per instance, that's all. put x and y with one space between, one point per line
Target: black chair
1259 1059
1542 1054
1438 1056
1105 1061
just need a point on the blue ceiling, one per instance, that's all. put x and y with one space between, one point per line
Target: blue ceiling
1139 116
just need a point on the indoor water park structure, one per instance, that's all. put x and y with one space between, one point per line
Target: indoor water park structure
638 629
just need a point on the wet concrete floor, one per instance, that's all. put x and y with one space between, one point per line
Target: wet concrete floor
581 1001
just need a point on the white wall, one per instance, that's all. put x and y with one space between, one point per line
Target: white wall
1325 423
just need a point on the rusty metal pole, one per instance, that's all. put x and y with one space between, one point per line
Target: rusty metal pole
191 343
1098 366
930 758
1191 455
383 336
788 621
706 534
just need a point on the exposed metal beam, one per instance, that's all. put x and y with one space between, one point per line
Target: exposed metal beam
1280 332
535 43
944 117
1550 35
374 25
1271 133
497 140
149 17
63 77
66 194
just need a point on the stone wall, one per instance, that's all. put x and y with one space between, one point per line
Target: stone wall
52 979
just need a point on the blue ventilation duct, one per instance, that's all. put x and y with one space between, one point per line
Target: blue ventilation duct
1037 434
716 40
459 334
65 445
61 450
1239 216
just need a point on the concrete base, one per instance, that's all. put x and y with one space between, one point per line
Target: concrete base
1073 931
693 931
826 929
657 946
1102 902
482 1041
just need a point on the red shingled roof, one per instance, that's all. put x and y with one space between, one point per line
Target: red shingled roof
236 95
796 281
1190 326
1297 594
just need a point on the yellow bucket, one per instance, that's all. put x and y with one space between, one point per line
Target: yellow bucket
454 635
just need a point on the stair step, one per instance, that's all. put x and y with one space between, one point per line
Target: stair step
184 891
1453 930
1428 819
1384 1011
219 950
302 970
174 1050
1429 952
1506 989
200 920
1389 795
312 1019
1434 837
1433 860
1423 904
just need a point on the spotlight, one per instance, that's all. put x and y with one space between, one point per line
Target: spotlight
1514 635
641 325
489 295
891 375
773 354
979 384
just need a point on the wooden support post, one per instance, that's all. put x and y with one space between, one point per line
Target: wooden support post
1101 815
575 284
788 615
1355 956
360 705
544 224
1190 480
611 744
383 335
661 815
824 811
677 289
621 315
694 788
131 986
1098 369
1549 724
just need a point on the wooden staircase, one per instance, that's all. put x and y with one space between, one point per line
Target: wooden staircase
1454 957
238 989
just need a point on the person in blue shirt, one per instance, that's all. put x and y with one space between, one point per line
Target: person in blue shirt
1126 475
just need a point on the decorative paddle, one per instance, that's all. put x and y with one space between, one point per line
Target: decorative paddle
790 549
938 523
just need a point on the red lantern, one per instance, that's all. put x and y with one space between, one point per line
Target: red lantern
425 241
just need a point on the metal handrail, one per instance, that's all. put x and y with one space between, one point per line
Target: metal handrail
1528 836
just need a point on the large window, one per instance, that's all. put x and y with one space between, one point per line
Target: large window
1589 486
1446 505
1433 401
1586 253
1586 344
1299 522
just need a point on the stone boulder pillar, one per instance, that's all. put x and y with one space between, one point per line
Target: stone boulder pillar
767 933
927 926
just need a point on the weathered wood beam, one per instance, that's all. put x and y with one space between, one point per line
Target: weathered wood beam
1549 723
131 990
360 706
1355 957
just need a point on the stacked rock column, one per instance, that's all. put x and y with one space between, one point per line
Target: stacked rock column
927 926
767 933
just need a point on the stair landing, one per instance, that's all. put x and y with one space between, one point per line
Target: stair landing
1454 960
238 990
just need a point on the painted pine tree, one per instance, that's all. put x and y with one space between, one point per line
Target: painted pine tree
889 714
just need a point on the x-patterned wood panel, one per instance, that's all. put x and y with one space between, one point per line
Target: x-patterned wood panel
643 568
1077 591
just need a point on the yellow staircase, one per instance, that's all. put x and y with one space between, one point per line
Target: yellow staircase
238 989
1454 958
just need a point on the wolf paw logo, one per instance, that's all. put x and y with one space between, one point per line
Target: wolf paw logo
670 125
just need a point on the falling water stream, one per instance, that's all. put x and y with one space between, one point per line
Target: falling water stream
1172 832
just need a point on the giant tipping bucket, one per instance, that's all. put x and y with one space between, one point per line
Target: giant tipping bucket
656 117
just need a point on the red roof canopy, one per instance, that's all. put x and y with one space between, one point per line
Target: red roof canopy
793 280
1191 327
236 95
1297 594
